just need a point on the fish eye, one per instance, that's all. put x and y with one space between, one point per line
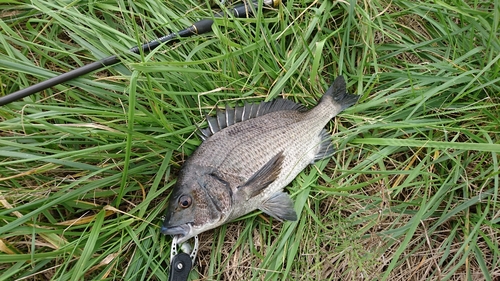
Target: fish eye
185 201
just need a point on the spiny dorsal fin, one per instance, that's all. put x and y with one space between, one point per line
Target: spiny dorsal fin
231 116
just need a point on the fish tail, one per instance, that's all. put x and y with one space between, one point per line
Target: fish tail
338 95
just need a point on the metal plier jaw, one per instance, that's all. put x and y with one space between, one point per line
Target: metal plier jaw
180 262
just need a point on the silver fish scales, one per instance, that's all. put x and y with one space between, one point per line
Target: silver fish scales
249 154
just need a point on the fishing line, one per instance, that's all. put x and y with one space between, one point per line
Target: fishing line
243 10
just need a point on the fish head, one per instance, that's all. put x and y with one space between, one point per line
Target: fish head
197 204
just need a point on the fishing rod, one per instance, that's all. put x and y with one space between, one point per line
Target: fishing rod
244 10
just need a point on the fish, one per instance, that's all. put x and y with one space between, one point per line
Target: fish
249 154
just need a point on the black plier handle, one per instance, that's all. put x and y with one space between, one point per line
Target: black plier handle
180 266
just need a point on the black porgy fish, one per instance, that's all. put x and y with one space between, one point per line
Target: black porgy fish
249 154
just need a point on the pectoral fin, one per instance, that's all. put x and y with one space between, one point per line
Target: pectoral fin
279 206
263 177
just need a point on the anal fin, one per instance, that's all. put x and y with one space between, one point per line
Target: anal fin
279 206
325 149
263 177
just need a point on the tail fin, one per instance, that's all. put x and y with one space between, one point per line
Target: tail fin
338 93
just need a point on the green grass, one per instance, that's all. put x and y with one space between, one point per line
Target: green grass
87 166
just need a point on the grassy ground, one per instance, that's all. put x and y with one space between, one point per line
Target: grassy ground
412 193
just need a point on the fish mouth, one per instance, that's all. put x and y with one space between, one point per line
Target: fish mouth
178 230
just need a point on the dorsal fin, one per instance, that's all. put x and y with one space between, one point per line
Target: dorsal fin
231 116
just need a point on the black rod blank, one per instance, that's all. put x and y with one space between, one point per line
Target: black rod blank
241 11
